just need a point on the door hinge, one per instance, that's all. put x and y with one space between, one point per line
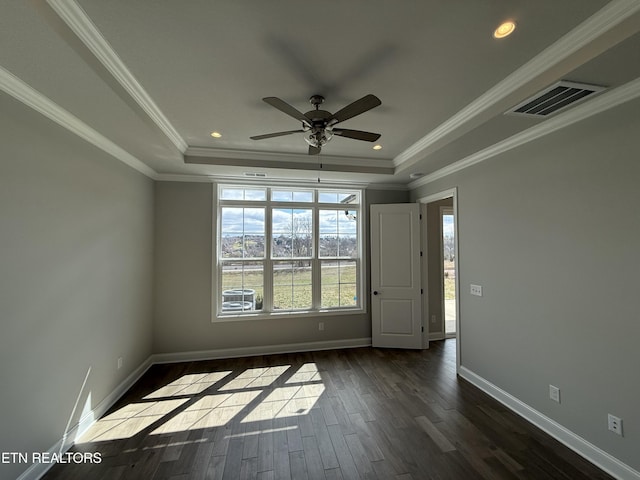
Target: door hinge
420 216
422 329
420 253
421 291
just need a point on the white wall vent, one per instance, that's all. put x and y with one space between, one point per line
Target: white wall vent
555 98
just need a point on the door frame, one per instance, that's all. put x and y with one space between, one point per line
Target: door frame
434 197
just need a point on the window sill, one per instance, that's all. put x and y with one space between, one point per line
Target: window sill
220 318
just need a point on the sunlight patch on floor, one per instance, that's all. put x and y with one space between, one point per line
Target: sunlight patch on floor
248 397
306 373
188 385
129 420
256 378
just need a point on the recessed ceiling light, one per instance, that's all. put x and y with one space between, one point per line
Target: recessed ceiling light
377 147
216 134
415 175
504 30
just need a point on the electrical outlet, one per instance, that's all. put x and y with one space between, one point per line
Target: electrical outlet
320 326
119 363
433 319
615 424
554 393
476 290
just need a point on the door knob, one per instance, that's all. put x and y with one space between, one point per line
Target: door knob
375 292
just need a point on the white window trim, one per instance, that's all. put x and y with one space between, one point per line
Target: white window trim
216 314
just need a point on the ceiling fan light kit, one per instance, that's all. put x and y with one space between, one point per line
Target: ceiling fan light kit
318 125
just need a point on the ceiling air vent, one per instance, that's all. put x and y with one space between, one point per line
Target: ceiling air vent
555 98
255 174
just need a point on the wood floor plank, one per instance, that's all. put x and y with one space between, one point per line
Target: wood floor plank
250 447
113 473
294 437
436 435
345 460
392 451
342 416
248 468
404 476
281 462
221 439
305 425
185 462
298 465
315 469
265 451
234 459
383 469
216 467
325 445
333 474
201 460
330 417
363 464
268 475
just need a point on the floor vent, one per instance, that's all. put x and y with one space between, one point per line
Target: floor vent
555 98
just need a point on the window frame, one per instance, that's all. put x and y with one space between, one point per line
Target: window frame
268 260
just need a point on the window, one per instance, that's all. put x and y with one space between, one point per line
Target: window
287 250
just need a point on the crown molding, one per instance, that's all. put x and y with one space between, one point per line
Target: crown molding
219 153
187 178
176 177
24 93
241 180
81 25
594 27
601 103
287 161
388 186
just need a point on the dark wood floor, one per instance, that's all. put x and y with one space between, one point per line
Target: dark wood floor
358 413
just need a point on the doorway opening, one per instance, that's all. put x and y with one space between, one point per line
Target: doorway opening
448 255
441 302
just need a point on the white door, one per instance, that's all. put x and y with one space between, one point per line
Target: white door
396 307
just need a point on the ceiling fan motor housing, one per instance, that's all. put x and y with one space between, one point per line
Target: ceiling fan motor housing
318 133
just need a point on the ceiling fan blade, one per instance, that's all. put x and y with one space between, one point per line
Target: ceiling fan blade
314 150
356 134
356 108
284 107
277 134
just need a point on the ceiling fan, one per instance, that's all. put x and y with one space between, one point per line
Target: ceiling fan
319 125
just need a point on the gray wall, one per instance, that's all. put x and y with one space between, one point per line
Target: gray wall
76 239
551 231
183 259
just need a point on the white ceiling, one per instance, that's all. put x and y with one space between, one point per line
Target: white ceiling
149 80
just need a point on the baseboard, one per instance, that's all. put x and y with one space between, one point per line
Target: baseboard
259 350
582 447
436 336
37 470
91 417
